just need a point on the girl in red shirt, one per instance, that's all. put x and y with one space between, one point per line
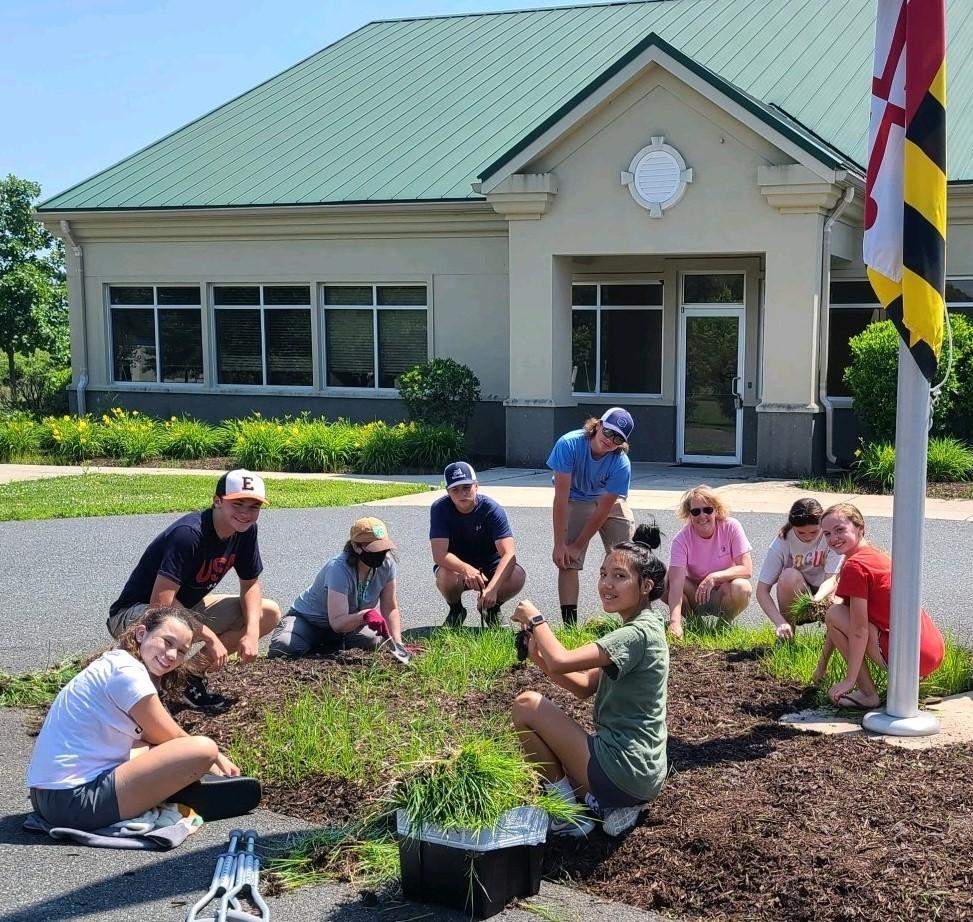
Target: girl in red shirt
859 626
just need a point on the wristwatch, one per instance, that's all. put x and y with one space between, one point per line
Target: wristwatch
536 619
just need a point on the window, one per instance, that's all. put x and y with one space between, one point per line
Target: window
263 335
853 307
959 297
156 334
373 333
616 338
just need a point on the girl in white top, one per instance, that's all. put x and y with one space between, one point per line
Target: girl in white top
80 772
798 561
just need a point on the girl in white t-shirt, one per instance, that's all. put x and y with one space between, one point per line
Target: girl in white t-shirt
80 774
798 561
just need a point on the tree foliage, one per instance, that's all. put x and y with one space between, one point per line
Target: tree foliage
33 295
441 392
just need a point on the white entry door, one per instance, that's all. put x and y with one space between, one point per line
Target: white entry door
710 412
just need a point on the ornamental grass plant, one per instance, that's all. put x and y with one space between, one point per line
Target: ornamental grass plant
131 437
190 439
20 438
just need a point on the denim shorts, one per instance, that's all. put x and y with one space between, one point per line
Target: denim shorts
605 791
93 805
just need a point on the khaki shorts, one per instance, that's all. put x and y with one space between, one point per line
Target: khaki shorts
220 613
618 527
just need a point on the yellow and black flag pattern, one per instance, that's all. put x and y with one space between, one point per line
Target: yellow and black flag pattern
906 252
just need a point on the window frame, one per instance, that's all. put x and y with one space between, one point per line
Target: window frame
155 307
374 307
262 307
598 394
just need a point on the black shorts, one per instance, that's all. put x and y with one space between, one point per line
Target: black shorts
608 794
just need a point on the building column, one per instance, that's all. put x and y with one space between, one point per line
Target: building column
540 352
790 420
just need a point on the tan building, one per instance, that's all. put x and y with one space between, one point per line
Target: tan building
654 205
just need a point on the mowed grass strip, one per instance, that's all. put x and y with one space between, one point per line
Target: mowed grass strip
137 494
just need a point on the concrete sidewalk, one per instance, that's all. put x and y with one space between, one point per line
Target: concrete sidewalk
655 486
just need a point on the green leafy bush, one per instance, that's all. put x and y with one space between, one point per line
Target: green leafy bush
949 460
441 392
382 448
257 444
71 438
426 446
873 372
20 437
130 436
188 439
876 465
317 445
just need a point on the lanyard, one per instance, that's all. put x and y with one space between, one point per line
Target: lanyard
363 588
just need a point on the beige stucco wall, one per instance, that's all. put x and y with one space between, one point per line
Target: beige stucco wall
723 221
466 275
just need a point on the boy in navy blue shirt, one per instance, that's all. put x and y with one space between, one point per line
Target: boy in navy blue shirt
592 475
186 561
472 548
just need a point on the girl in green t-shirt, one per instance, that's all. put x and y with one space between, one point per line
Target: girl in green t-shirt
623 764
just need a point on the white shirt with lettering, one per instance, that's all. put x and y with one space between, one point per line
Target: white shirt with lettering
815 560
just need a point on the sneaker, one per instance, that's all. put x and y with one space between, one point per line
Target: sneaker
621 819
198 697
455 619
576 829
490 617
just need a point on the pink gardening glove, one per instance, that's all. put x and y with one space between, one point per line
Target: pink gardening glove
373 619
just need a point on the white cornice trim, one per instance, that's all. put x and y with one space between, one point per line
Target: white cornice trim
524 196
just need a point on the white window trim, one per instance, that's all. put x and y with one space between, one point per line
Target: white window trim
265 387
374 307
155 307
598 394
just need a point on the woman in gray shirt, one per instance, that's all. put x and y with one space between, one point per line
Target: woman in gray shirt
351 603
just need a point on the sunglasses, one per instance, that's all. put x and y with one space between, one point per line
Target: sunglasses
799 521
613 437
708 510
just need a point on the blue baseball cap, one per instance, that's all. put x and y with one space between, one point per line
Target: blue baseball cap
458 474
619 420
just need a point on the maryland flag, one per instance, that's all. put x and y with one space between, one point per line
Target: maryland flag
905 187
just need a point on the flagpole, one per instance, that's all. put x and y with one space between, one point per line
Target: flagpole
902 716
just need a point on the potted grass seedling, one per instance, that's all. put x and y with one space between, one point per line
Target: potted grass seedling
473 826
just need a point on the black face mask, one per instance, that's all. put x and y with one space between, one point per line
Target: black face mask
372 559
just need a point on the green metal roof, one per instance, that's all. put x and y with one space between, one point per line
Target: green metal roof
417 109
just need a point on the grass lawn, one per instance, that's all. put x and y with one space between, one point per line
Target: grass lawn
136 494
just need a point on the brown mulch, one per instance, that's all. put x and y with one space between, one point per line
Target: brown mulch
757 821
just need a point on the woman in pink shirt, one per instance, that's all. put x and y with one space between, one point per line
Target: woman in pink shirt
710 565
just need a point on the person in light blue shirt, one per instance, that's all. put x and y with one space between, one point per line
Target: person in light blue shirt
592 475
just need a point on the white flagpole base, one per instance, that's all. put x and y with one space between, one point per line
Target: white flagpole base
922 724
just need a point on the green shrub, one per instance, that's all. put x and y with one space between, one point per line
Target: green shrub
130 436
381 448
873 372
948 460
71 438
20 437
441 392
316 445
876 465
42 384
188 439
432 447
257 444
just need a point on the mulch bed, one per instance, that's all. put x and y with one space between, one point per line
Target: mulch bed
757 821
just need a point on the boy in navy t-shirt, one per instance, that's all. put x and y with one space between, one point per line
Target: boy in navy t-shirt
472 548
186 561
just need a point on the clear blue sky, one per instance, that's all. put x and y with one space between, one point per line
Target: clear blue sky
85 83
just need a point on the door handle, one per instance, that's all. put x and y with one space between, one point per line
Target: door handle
734 390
